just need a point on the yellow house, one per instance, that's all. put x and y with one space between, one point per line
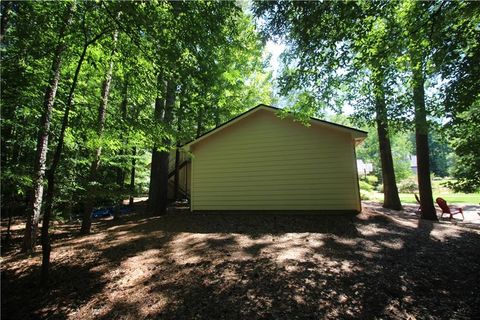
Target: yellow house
261 162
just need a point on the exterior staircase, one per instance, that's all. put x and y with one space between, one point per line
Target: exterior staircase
184 171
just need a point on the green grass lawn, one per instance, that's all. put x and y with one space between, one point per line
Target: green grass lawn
472 198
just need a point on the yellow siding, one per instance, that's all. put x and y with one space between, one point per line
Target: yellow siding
266 163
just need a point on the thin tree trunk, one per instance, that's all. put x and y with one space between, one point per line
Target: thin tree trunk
123 109
158 195
121 170
6 135
8 236
35 206
102 113
180 113
6 128
46 246
11 134
132 177
391 198
421 140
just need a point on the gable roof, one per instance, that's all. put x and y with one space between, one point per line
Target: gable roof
358 135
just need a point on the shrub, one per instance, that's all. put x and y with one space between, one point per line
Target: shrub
365 186
364 195
408 185
372 180
380 188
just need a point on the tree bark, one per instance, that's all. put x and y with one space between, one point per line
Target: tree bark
180 113
94 166
132 177
46 246
391 198
123 109
154 187
45 239
165 154
158 197
8 235
421 141
35 206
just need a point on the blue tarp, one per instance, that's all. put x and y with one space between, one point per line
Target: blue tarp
107 212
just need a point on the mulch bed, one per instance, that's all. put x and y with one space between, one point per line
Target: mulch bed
182 266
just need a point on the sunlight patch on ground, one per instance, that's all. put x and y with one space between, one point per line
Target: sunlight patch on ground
139 267
395 244
443 233
162 266
292 253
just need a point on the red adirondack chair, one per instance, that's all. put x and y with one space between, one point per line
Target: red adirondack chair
447 210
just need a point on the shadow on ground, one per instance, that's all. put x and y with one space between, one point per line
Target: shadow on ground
253 267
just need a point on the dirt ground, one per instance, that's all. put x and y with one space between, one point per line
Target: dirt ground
375 265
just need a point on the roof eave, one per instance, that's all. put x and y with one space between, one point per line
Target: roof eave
356 133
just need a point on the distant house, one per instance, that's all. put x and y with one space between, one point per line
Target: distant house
413 164
261 162
364 168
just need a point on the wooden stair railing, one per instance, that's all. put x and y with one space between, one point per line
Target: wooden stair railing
180 166
181 190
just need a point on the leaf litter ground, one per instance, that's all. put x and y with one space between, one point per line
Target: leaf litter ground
378 264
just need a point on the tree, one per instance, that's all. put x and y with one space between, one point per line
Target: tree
440 151
457 54
217 69
327 37
33 215
6 8
46 247
160 158
467 145
402 149
419 22
102 113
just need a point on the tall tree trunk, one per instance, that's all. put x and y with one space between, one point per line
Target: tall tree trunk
6 128
6 135
46 247
132 177
391 198
176 185
94 166
154 187
121 171
35 206
123 109
421 141
158 199
8 234
165 154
